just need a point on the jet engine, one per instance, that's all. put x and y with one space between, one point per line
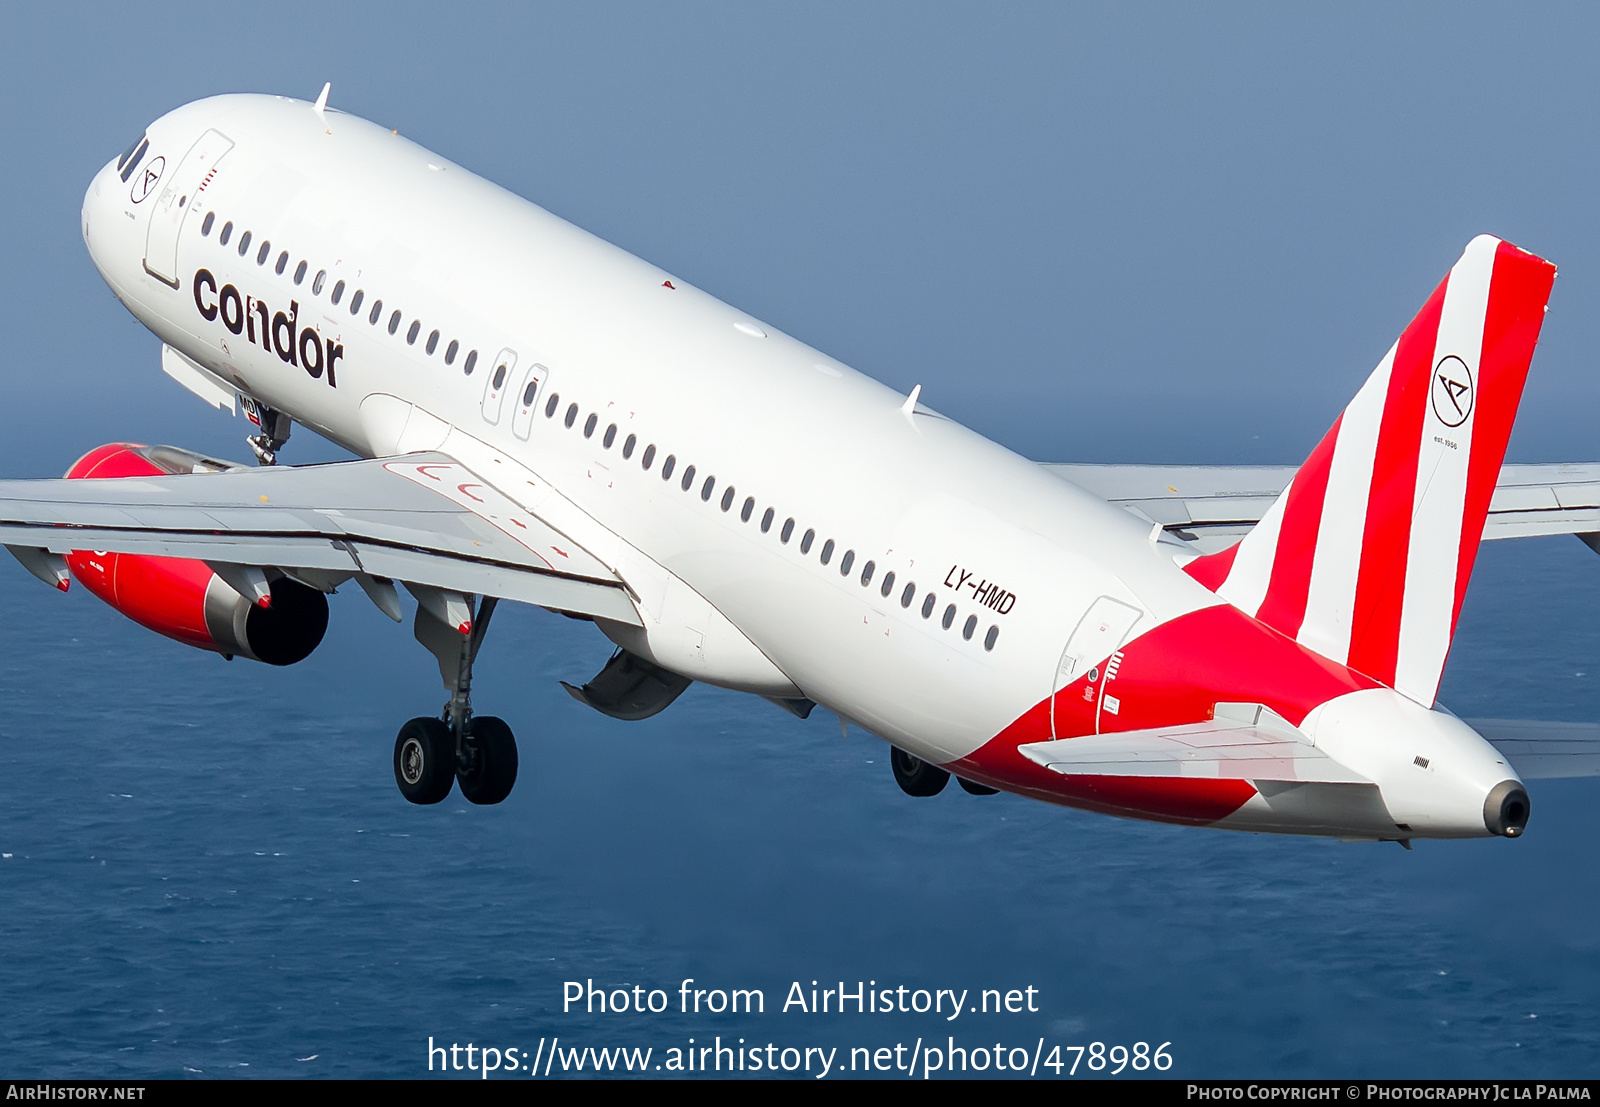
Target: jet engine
183 598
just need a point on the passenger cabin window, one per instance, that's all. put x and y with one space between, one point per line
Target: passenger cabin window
244 244
827 551
971 625
709 487
991 638
611 431
411 336
528 394
472 363
551 404
928 604
787 532
316 283
300 272
227 233
649 457
747 509
888 584
205 224
727 498
355 301
572 415
283 263
376 313
433 344
688 478
667 466
866 573
846 561
450 352
627 446
766 520
588 424
949 616
805 541
261 254
908 595
394 322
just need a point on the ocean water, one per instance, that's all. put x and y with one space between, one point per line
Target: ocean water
208 871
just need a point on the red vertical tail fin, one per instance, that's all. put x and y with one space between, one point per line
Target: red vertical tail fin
1365 557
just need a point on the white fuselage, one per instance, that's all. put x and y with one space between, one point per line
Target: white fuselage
725 596
764 414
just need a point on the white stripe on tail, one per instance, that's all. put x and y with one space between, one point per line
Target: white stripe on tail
1366 555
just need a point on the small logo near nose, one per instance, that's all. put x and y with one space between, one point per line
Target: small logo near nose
145 183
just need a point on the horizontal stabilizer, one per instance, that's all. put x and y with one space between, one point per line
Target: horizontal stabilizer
1541 750
1244 742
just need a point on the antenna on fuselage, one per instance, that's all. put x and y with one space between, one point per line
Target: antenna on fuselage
910 406
322 98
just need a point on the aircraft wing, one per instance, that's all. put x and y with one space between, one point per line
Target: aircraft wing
1256 745
421 519
1211 506
1541 750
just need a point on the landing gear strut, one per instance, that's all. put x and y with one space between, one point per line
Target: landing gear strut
275 427
478 751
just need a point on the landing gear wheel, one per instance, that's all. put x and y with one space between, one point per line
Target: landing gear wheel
491 767
973 788
915 776
425 760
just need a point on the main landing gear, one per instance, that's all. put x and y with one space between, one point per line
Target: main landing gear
476 751
917 777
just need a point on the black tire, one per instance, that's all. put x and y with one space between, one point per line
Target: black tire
425 760
973 788
915 776
492 761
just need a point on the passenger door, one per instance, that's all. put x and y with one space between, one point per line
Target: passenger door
496 384
181 196
1103 628
527 400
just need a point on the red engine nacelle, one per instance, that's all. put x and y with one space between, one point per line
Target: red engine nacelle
182 598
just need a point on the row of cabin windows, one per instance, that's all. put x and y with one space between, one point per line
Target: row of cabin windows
708 489
374 314
668 466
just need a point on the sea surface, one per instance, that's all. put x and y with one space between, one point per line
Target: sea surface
207 871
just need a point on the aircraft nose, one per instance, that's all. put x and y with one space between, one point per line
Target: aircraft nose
1505 811
95 216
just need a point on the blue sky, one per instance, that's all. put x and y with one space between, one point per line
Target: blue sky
1155 233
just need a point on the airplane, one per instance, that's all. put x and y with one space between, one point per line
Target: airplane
539 416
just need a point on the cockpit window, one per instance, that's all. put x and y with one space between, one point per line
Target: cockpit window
129 161
128 153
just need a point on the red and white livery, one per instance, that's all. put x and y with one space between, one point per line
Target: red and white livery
540 416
